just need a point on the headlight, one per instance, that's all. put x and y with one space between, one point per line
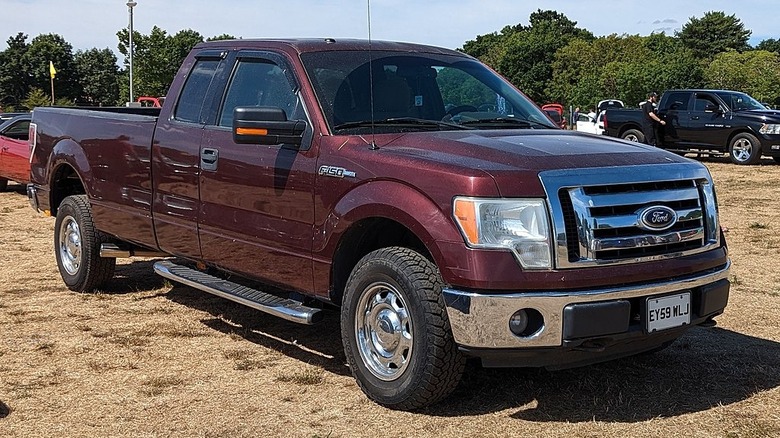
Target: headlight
519 225
770 129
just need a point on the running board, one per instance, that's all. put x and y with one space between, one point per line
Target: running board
284 308
111 250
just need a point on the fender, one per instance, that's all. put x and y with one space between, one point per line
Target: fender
391 200
67 151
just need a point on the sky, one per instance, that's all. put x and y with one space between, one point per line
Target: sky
87 24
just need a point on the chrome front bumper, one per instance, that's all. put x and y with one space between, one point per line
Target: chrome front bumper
482 320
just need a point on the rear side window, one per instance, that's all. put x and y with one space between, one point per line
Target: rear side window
194 92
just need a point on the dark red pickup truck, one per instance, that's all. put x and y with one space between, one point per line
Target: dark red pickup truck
409 185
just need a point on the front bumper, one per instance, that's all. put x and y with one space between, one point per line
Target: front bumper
480 321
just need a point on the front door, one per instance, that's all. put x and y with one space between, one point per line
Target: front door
705 125
257 204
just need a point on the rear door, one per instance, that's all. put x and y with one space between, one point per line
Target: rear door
257 201
176 157
674 111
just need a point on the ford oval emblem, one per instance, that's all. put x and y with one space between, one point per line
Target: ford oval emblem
657 218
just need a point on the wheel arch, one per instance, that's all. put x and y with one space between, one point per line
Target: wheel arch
382 215
69 169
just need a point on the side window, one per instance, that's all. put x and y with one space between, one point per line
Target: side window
258 82
702 102
194 92
19 131
679 101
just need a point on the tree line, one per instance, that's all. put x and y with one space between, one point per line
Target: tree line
90 77
553 60
550 59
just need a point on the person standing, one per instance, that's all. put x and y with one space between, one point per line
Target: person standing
650 119
574 118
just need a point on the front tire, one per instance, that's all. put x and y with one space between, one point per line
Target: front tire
395 330
745 149
77 246
3 184
634 135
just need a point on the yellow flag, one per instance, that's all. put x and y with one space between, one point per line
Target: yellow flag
52 71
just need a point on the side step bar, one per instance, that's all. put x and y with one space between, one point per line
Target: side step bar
111 250
285 308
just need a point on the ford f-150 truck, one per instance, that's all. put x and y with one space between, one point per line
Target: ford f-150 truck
706 121
409 185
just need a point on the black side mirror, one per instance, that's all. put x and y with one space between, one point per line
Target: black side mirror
266 125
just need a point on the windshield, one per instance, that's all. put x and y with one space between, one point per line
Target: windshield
740 101
414 91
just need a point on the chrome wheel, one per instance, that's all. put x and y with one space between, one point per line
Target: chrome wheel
383 330
742 150
70 245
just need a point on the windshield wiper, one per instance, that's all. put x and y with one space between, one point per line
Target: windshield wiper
402 121
520 123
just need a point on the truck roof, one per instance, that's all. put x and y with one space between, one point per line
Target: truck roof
303 45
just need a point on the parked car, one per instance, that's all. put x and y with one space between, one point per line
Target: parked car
593 123
15 150
9 116
555 112
706 121
588 124
148 101
442 224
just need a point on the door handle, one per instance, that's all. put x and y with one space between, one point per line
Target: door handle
208 159
694 117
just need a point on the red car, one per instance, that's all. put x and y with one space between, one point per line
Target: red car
15 151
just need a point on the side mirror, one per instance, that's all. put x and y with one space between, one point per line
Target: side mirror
266 125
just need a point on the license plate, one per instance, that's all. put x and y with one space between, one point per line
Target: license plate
668 312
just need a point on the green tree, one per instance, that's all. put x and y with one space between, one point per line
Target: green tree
36 97
525 55
224 36
756 73
14 77
770 45
54 48
714 33
99 77
156 59
622 67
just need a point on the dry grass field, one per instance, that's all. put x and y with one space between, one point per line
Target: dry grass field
146 358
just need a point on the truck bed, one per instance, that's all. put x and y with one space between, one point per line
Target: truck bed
119 185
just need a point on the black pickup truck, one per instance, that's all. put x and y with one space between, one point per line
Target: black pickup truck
706 122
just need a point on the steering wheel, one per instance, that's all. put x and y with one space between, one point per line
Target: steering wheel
459 109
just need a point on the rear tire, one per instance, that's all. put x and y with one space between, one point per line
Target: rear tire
3 184
777 160
633 135
77 246
745 149
395 330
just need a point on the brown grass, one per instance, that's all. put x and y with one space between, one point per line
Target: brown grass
149 358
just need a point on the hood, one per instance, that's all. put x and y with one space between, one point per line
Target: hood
761 116
514 158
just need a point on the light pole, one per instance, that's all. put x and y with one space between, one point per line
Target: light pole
130 5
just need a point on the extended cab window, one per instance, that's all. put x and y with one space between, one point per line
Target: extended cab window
258 82
194 92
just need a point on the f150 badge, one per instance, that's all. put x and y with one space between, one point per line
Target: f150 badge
336 172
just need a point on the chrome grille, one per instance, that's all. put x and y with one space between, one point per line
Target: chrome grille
596 213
